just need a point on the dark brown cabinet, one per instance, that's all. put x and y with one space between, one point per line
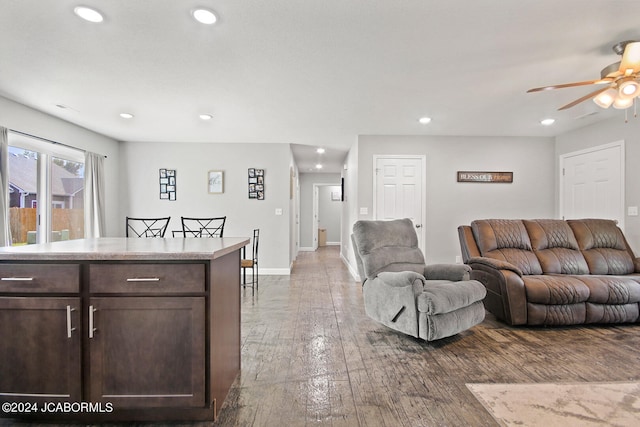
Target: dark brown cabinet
147 351
40 352
148 329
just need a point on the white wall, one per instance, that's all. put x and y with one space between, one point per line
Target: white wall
605 132
350 206
19 117
449 203
192 161
307 181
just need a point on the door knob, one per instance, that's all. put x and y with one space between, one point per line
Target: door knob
418 225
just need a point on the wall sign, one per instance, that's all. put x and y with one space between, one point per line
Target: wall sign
476 176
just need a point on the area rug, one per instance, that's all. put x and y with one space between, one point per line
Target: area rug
561 404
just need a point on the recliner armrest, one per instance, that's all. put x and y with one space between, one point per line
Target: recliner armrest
495 263
403 279
453 272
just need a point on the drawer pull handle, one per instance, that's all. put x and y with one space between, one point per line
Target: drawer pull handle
144 279
91 328
17 279
69 328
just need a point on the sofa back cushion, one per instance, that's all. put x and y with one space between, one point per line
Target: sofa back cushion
555 246
506 240
387 246
603 246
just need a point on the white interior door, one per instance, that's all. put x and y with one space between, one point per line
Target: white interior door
399 190
592 183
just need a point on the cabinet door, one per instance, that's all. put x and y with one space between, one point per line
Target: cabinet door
40 349
147 351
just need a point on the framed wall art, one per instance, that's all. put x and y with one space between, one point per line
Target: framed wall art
256 183
216 182
168 184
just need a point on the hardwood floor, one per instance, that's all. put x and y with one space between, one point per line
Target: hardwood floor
310 356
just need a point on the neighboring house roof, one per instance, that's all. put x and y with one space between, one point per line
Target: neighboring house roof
23 175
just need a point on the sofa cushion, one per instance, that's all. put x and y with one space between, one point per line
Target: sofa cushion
555 246
564 314
611 289
555 289
611 313
506 240
603 246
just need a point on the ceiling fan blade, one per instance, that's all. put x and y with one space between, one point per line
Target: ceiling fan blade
630 59
564 85
584 98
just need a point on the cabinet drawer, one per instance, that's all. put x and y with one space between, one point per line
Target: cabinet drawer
146 278
30 278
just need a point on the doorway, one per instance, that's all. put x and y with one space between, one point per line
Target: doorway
399 190
592 183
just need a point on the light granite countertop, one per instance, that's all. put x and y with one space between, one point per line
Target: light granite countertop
120 248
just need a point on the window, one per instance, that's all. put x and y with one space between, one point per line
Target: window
46 190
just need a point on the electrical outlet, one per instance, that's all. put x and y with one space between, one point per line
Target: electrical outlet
278 211
364 211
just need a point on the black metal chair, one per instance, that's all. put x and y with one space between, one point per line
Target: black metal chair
252 263
147 227
203 227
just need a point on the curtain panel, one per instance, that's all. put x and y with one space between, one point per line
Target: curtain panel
5 223
94 223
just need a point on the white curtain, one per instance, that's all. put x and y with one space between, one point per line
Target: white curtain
5 224
94 223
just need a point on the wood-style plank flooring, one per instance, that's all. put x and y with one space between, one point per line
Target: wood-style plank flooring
311 357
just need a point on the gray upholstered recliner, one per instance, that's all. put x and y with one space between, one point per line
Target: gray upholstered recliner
401 292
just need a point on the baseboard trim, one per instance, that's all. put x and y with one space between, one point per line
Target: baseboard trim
353 272
274 271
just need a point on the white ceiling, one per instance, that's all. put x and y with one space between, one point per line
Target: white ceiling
312 72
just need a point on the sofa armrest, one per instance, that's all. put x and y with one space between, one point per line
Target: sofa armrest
453 272
495 263
636 264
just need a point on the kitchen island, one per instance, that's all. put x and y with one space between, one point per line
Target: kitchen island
117 329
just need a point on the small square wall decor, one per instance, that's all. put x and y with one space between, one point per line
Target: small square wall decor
256 183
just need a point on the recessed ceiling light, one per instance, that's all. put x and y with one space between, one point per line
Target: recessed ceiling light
205 116
424 120
318 166
126 115
320 150
88 14
547 122
204 16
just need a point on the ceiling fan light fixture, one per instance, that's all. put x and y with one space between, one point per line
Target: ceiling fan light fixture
629 88
622 103
606 98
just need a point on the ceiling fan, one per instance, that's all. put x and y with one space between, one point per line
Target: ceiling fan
621 80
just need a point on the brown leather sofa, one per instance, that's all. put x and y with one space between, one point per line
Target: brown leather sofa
553 272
